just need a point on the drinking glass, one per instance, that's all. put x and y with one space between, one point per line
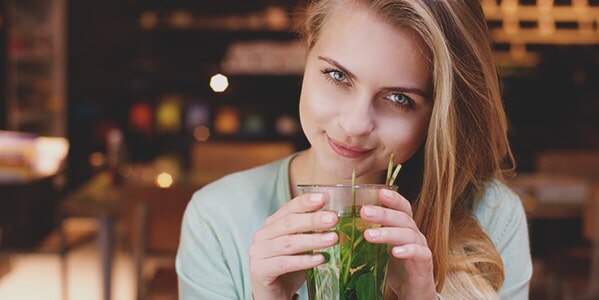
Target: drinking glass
353 268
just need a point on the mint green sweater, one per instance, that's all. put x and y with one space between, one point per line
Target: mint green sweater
220 220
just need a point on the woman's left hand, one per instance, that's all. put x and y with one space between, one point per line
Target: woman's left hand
408 245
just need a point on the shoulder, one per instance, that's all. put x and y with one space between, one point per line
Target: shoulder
498 196
500 212
247 189
501 215
242 181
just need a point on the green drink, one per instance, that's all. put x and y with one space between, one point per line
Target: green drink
353 268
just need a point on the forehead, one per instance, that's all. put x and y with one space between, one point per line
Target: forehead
363 42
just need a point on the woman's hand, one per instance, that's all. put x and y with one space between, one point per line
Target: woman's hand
278 251
408 246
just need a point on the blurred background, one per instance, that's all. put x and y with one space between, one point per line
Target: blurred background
112 113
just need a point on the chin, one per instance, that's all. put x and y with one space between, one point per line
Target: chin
334 166
343 172
341 168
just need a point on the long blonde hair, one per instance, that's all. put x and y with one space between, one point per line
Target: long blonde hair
466 145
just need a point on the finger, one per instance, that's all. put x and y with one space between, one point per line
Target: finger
293 244
418 258
395 201
303 203
297 223
387 217
412 251
395 236
270 269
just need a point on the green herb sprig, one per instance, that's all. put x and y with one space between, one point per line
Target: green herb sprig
353 226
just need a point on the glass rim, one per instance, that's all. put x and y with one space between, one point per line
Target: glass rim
349 185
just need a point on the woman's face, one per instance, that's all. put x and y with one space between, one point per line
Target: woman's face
366 94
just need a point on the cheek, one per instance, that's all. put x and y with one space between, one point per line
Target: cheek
404 136
317 102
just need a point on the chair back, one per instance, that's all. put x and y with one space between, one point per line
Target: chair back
580 164
585 165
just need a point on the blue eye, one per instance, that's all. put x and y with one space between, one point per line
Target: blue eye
337 76
399 99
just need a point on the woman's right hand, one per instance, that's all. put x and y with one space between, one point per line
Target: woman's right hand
278 251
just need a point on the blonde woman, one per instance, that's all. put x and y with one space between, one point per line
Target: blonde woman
410 77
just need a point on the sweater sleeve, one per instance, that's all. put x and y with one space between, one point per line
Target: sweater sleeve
502 216
513 245
201 266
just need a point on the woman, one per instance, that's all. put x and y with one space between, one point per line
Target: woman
410 77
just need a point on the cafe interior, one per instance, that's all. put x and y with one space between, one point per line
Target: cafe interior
112 114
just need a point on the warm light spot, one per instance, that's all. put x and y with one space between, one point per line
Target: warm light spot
97 159
168 115
140 117
164 180
181 19
201 133
227 121
148 20
276 18
219 83
51 152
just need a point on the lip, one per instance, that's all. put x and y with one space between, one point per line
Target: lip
346 150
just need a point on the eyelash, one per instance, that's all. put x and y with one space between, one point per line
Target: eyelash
327 73
409 105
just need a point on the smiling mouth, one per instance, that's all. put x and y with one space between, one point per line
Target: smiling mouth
347 151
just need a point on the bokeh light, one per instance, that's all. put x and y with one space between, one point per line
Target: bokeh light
219 83
164 180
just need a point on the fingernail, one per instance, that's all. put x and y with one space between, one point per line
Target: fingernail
399 250
315 198
373 233
317 258
388 193
369 211
327 218
328 237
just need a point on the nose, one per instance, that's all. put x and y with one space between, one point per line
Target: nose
356 118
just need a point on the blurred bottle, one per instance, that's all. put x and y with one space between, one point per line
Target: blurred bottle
115 153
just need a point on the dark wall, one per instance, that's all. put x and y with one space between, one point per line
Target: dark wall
102 41
3 58
554 105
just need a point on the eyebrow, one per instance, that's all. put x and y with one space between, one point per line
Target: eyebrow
416 91
338 66
411 90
